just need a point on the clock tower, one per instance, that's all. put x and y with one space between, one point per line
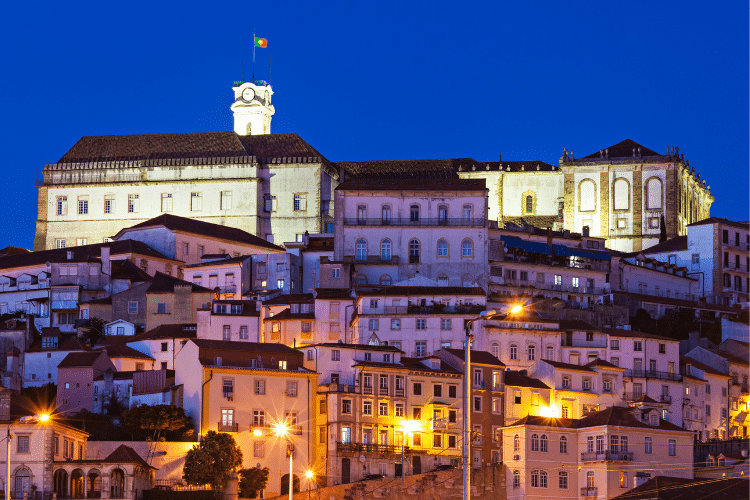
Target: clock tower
252 108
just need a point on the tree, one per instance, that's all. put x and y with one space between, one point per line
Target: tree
212 461
159 421
92 331
252 481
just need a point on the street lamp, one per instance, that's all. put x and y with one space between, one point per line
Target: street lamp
484 315
309 474
408 427
23 420
283 431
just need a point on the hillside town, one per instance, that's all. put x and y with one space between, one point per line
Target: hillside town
361 328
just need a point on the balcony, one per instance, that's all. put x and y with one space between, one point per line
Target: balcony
367 390
341 388
369 448
64 304
589 491
442 309
409 222
551 286
653 374
377 260
399 392
599 344
228 427
665 398
607 456
383 391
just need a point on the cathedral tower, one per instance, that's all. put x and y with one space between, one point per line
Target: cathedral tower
252 108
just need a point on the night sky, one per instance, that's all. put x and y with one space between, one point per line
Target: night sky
382 80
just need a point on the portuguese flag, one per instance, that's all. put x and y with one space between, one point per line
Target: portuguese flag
260 42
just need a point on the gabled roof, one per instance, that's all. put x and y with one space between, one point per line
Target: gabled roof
616 416
604 364
620 332
64 344
174 331
567 423
227 345
218 262
515 378
357 347
721 220
79 359
121 350
477 357
126 454
686 360
164 283
674 488
289 298
194 226
287 314
127 270
333 293
675 244
379 364
624 149
416 365
566 366
439 168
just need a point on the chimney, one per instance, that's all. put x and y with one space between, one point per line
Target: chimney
106 263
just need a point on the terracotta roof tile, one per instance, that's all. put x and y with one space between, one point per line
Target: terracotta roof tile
78 359
671 245
478 357
515 378
174 331
126 454
624 149
164 283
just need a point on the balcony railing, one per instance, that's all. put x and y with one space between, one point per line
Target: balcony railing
589 491
383 391
665 398
606 455
550 286
421 222
653 374
369 448
433 309
399 392
377 260
589 265
601 343
341 388
228 427
367 390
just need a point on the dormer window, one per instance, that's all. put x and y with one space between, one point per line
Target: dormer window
50 342
294 308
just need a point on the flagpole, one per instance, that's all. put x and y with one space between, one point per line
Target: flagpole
253 56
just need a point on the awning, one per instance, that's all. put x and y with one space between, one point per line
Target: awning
590 255
526 246
561 251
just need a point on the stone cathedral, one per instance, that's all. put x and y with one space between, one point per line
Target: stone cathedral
277 186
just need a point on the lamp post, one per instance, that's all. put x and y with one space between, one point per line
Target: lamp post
23 420
283 431
408 426
309 474
484 315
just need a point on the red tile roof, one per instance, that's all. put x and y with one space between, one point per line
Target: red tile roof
126 454
79 359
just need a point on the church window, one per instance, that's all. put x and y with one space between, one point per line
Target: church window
467 248
414 213
196 202
133 204
166 202
109 203
529 204
269 203
442 248
62 205
587 196
414 250
83 205
385 249
621 190
226 200
653 194
361 249
300 202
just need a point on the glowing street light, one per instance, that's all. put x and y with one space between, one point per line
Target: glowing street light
309 474
282 430
409 426
23 420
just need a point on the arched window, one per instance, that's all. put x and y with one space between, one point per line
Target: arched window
467 280
414 213
360 279
414 251
542 479
587 196
653 194
117 484
386 279
385 249
516 479
495 349
442 248
516 442
467 248
534 442
563 444
535 479
361 252
621 191
285 484
529 204
23 482
543 443
60 483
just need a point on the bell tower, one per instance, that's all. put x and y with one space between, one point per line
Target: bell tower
252 108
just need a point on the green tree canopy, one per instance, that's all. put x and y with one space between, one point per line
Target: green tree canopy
159 420
212 461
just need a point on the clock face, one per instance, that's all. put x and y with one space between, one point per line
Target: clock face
248 94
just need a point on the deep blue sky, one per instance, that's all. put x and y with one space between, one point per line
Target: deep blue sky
382 80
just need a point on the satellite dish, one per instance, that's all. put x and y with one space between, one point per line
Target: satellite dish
362 458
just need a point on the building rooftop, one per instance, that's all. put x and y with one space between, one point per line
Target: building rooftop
477 357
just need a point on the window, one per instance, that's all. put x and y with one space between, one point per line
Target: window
442 248
586 384
467 248
109 203
22 445
534 442
395 324
607 385
269 203
566 382
513 352
260 387
62 205
708 410
291 389
562 480
437 390
60 243
196 202
614 345
383 408
279 284
385 249
638 346
346 435
543 443
133 204
374 324
259 449
414 213
300 202
529 204
538 479
563 444
623 479
361 250
336 272
478 403
516 479
83 205
166 202
647 447
346 406
587 196
672 448
421 324
414 251
437 440
386 215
